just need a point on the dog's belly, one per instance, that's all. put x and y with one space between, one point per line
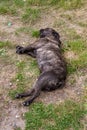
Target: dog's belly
49 58
48 61
44 58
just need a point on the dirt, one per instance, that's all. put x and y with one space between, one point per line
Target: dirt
11 112
12 117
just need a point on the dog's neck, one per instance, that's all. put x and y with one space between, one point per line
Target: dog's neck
52 40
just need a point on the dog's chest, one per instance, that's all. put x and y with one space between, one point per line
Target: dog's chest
46 58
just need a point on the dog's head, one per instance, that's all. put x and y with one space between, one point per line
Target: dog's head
50 33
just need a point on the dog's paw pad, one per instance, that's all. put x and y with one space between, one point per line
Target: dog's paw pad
19 50
26 103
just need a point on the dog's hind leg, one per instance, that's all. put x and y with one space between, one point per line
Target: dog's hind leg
46 80
30 100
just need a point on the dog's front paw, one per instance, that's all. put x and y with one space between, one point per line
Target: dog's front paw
19 50
27 103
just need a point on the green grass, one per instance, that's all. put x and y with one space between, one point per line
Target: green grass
77 64
20 83
70 33
7 7
35 33
20 65
42 117
33 68
78 47
82 24
19 80
75 45
6 10
60 117
2 52
25 30
6 44
67 4
37 2
19 3
14 7
6 48
28 30
31 15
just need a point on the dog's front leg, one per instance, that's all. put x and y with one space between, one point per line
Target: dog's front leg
29 50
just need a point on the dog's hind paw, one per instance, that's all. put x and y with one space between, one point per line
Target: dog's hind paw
27 103
18 96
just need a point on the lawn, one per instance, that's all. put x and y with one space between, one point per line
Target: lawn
64 109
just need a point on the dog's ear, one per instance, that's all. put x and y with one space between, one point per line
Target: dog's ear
56 35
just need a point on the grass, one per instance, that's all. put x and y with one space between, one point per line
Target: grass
82 24
33 68
31 15
6 44
5 47
11 7
75 45
35 33
67 115
61 117
19 3
68 4
37 2
7 7
20 79
20 65
6 10
28 30
25 30
2 52
78 47
20 83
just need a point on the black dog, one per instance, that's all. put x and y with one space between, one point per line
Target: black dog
47 51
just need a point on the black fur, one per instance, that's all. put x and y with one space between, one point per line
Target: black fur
47 51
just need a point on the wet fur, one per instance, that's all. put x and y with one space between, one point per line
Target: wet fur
47 51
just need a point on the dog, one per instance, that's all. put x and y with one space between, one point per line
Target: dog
53 68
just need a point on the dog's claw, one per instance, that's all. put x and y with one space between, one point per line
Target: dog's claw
26 103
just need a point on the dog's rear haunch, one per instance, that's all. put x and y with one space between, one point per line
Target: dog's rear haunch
47 51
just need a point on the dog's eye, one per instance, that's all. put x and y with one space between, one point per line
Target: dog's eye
55 34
